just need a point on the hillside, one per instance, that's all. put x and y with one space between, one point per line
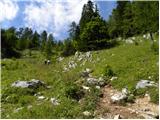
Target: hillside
68 92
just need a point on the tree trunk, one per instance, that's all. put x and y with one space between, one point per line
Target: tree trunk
151 36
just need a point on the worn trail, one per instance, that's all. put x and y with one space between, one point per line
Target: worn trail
142 108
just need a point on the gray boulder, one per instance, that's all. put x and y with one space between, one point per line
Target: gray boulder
28 84
60 59
145 83
86 72
117 116
92 81
86 113
118 97
54 101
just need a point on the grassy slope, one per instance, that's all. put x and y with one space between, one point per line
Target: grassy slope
129 62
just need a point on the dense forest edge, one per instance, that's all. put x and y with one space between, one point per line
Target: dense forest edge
91 33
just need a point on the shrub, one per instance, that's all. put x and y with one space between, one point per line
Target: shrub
68 48
154 93
74 92
130 98
155 47
108 71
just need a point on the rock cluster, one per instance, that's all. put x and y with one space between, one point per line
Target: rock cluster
28 84
83 56
146 36
60 59
120 96
78 57
90 80
54 101
145 83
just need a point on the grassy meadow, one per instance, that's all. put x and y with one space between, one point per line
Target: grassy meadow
129 62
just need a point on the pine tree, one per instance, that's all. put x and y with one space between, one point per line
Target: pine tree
43 37
35 40
87 14
146 16
49 46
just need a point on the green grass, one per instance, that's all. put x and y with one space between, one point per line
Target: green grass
129 62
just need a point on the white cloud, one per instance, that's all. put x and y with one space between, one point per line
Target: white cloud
54 16
8 10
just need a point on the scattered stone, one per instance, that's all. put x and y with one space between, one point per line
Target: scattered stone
114 78
86 113
149 115
117 116
146 95
133 38
77 54
112 54
129 41
157 63
145 83
98 87
101 81
86 73
72 64
92 81
41 97
18 109
149 77
116 98
98 59
7 116
49 87
54 101
146 109
86 88
88 54
29 106
125 91
80 59
28 84
60 59
144 36
65 69
89 70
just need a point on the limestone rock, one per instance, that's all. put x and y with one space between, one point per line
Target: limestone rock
28 84
54 101
113 78
117 116
145 83
41 97
118 97
86 113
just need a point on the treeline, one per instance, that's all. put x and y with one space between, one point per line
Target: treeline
128 19
14 41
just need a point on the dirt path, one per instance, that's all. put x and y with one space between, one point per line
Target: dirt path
142 108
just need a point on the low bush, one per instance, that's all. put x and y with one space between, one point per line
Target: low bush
108 71
155 47
74 92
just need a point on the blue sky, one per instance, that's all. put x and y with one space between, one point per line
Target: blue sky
54 16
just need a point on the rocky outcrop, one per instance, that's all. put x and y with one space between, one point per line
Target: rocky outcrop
28 84
146 83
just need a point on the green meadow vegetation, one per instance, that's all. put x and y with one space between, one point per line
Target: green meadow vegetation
133 63
126 46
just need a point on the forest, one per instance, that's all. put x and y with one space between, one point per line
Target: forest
91 33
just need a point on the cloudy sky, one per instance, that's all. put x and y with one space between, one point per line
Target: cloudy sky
54 16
